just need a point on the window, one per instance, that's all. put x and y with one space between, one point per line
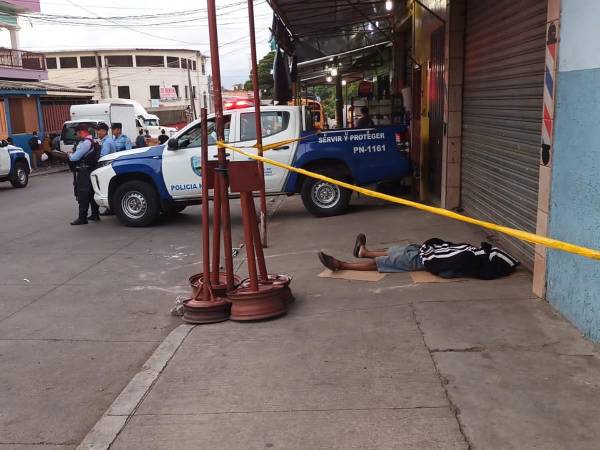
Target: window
88 61
119 61
150 61
272 122
51 63
204 100
184 63
193 134
194 92
172 61
155 92
193 65
176 87
187 94
68 62
124 92
203 67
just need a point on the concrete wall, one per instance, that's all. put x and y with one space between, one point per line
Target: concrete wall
573 282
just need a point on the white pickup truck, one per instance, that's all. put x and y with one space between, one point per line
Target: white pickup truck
139 184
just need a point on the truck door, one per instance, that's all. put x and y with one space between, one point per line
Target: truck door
4 161
276 126
124 114
181 168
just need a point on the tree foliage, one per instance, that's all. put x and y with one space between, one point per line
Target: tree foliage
265 78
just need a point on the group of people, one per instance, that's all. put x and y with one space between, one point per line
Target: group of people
84 158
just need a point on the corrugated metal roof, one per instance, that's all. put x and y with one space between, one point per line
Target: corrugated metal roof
41 86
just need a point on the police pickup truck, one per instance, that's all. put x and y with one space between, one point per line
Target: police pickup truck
140 184
14 165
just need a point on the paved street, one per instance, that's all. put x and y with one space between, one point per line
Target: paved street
81 308
84 318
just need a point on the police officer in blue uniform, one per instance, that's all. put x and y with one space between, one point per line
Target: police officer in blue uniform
84 160
121 141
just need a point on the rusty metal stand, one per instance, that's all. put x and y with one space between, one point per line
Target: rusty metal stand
261 296
206 305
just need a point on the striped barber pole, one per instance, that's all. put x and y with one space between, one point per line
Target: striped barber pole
549 81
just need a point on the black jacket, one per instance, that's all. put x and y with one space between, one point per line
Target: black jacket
450 260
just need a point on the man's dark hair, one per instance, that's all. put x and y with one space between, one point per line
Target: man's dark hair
34 133
163 131
364 110
141 132
103 126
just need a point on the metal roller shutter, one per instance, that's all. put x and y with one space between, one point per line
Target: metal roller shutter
502 113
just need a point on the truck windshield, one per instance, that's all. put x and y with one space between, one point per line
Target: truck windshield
150 122
69 131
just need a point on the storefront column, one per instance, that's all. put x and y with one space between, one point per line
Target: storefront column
454 63
552 33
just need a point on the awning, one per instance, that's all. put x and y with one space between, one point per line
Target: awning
320 28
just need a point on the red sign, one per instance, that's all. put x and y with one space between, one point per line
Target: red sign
365 88
168 93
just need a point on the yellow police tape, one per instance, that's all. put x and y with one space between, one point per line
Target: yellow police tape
522 235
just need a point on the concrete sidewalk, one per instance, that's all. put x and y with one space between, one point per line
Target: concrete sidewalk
392 364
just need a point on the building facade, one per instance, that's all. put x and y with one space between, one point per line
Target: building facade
503 101
520 143
165 82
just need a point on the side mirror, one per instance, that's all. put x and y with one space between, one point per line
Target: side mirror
173 144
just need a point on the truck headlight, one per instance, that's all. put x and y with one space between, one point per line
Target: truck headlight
104 163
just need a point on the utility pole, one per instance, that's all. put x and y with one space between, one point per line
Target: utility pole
192 99
100 83
108 77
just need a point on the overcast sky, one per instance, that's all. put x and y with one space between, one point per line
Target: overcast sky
233 31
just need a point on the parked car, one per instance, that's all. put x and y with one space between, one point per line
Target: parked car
14 165
139 184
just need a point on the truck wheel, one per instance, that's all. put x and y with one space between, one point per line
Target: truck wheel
136 204
323 199
171 210
20 177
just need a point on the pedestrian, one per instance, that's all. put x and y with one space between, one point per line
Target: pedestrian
140 141
56 142
365 121
121 140
162 138
84 159
35 145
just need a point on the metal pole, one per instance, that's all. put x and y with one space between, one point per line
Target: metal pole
205 212
108 77
339 101
256 87
218 99
192 96
245 199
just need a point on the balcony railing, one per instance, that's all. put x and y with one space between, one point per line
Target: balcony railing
20 59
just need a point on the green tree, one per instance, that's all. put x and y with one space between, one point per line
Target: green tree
265 78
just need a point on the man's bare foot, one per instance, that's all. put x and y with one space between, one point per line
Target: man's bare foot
329 261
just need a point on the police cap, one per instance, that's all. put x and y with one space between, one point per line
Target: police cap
117 126
82 127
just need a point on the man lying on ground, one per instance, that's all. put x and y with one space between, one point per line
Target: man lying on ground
442 258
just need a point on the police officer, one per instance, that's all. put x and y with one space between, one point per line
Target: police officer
121 141
107 142
84 159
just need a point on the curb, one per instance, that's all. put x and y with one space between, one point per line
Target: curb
106 430
49 172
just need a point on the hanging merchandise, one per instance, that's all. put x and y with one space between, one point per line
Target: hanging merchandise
282 92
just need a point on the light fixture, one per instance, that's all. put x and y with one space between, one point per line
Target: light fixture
334 72
389 5
344 82
329 78
377 23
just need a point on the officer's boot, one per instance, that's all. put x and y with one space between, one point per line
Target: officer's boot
80 221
